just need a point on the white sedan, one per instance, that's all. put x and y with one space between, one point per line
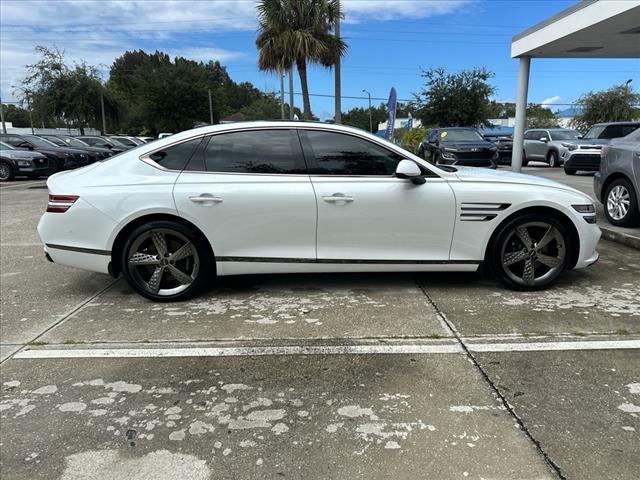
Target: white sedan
280 197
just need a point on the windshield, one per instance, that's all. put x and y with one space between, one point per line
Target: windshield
564 134
124 141
55 140
460 136
594 132
39 142
74 142
6 146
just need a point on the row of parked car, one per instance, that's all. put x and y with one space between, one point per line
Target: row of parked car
37 155
554 146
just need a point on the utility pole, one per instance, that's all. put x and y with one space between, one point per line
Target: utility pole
291 93
210 109
281 72
104 119
338 93
370 120
4 127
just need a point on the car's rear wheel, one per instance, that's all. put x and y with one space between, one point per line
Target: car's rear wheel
166 261
553 159
530 252
621 204
6 172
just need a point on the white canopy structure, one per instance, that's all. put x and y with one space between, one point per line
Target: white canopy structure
589 29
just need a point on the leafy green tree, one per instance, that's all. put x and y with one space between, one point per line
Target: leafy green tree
454 99
297 32
618 103
540 117
411 139
359 116
501 110
52 88
18 116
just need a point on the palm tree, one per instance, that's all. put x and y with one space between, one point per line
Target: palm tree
297 32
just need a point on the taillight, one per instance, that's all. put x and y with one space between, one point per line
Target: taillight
61 203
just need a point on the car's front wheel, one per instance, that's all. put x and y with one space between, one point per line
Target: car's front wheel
6 172
553 159
621 204
530 252
166 261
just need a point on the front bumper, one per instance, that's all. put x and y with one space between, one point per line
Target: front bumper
588 160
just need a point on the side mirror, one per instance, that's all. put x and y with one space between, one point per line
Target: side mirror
409 170
580 136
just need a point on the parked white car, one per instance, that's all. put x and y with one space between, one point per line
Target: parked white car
289 197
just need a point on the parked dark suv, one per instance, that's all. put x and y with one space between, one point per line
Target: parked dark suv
62 158
458 146
617 183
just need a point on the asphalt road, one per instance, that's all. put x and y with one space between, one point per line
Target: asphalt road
321 376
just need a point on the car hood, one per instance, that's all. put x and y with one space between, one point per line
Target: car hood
592 141
21 154
474 174
466 146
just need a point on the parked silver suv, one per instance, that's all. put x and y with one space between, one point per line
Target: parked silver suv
617 183
547 144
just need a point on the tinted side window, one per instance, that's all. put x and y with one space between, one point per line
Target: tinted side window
176 157
616 131
15 141
341 154
255 151
529 135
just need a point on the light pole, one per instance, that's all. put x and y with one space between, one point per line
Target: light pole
4 127
370 120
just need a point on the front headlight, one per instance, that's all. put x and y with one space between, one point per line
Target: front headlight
24 163
570 146
586 208
448 154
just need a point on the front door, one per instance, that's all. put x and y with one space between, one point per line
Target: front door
365 213
250 194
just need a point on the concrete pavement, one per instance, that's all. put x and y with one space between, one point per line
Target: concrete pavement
320 376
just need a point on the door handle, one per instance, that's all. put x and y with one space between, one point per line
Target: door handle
205 198
338 199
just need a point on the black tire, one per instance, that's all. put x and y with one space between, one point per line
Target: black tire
507 246
569 171
629 199
552 158
525 162
197 264
6 172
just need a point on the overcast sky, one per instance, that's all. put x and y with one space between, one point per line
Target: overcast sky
389 42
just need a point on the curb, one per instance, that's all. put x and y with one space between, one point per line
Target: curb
620 237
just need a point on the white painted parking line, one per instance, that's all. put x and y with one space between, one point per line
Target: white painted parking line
322 350
555 346
239 351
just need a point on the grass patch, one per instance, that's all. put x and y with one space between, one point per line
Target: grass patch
580 334
434 336
622 331
36 344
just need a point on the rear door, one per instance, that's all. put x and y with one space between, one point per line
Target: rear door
250 193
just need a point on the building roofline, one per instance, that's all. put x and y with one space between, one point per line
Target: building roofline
558 16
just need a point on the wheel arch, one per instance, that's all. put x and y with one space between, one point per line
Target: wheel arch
612 178
554 150
574 237
121 237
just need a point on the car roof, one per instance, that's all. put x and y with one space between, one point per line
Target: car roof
615 123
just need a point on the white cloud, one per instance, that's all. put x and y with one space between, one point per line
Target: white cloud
551 101
98 31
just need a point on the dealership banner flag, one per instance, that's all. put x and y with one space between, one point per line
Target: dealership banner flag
391 115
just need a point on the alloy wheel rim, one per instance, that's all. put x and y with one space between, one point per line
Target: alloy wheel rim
532 253
618 202
163 262
5 172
